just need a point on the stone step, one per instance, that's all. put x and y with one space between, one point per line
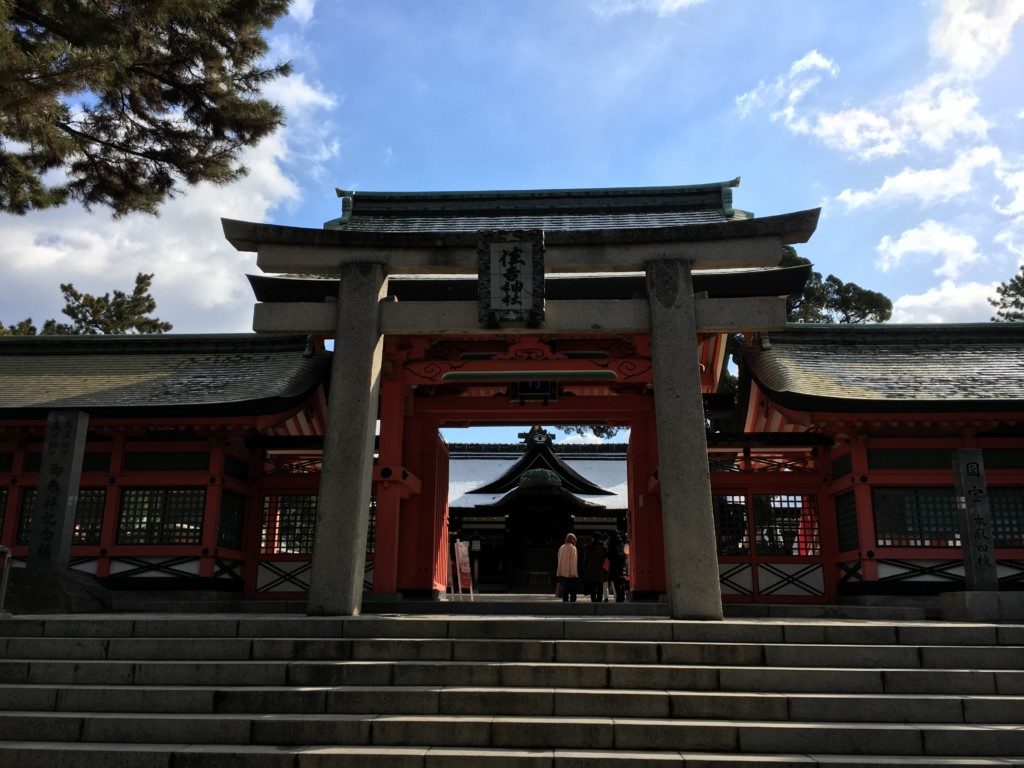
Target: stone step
520 628
79 755
516 674
573 702
563 651
510 732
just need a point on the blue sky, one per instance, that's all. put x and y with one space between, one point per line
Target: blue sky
903 120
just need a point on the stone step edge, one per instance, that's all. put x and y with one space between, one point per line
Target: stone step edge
504 689
489 641
469 627
679 722
416 757
546 664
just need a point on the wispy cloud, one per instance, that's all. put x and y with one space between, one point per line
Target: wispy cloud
931 113
611 8
302 10
926 186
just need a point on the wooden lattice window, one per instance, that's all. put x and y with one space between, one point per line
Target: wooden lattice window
88 515
161 516
786 524
288 525
232 520
846 522
915 517
1007 505
731 532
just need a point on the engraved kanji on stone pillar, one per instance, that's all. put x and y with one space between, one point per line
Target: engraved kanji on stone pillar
976 531
53 518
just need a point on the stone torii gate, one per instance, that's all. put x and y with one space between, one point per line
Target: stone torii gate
362 260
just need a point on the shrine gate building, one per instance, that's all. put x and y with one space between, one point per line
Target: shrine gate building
270 466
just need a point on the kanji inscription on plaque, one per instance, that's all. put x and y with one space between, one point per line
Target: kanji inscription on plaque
511 270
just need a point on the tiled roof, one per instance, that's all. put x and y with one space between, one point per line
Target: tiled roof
549 222
892 367
551 209
165 374
467 474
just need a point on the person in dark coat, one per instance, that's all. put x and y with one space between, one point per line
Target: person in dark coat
592 573
617 566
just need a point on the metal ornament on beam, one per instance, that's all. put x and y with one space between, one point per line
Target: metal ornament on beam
511 278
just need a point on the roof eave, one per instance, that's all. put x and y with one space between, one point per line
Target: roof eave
796 227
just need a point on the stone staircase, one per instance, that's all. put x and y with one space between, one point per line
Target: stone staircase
282 691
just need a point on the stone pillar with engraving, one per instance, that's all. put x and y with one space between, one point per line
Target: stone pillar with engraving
691 558
976 531
53 517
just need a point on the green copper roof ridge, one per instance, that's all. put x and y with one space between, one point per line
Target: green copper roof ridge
725 186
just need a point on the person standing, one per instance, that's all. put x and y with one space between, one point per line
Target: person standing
593 568
617 566
567 571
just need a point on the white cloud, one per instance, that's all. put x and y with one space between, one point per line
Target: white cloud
199 279
608 9
1013 180
927 186
858 131
932 238
935 113
588 439
298 96
950 302
972 36
1011 238
302 11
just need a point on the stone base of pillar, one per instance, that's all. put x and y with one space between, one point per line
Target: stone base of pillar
982 606
56 592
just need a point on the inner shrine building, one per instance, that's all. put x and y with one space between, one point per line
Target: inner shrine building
305 461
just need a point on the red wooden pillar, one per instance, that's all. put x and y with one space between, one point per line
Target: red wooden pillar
388 489
646 549
441 516
829 545
211 511
865 509
111 507
416 520
9 526
253 525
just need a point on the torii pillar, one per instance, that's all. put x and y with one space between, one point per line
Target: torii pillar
691 560
342 516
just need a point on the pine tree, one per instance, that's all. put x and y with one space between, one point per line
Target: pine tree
117 102
107 314
23 328
1010 302
830 300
